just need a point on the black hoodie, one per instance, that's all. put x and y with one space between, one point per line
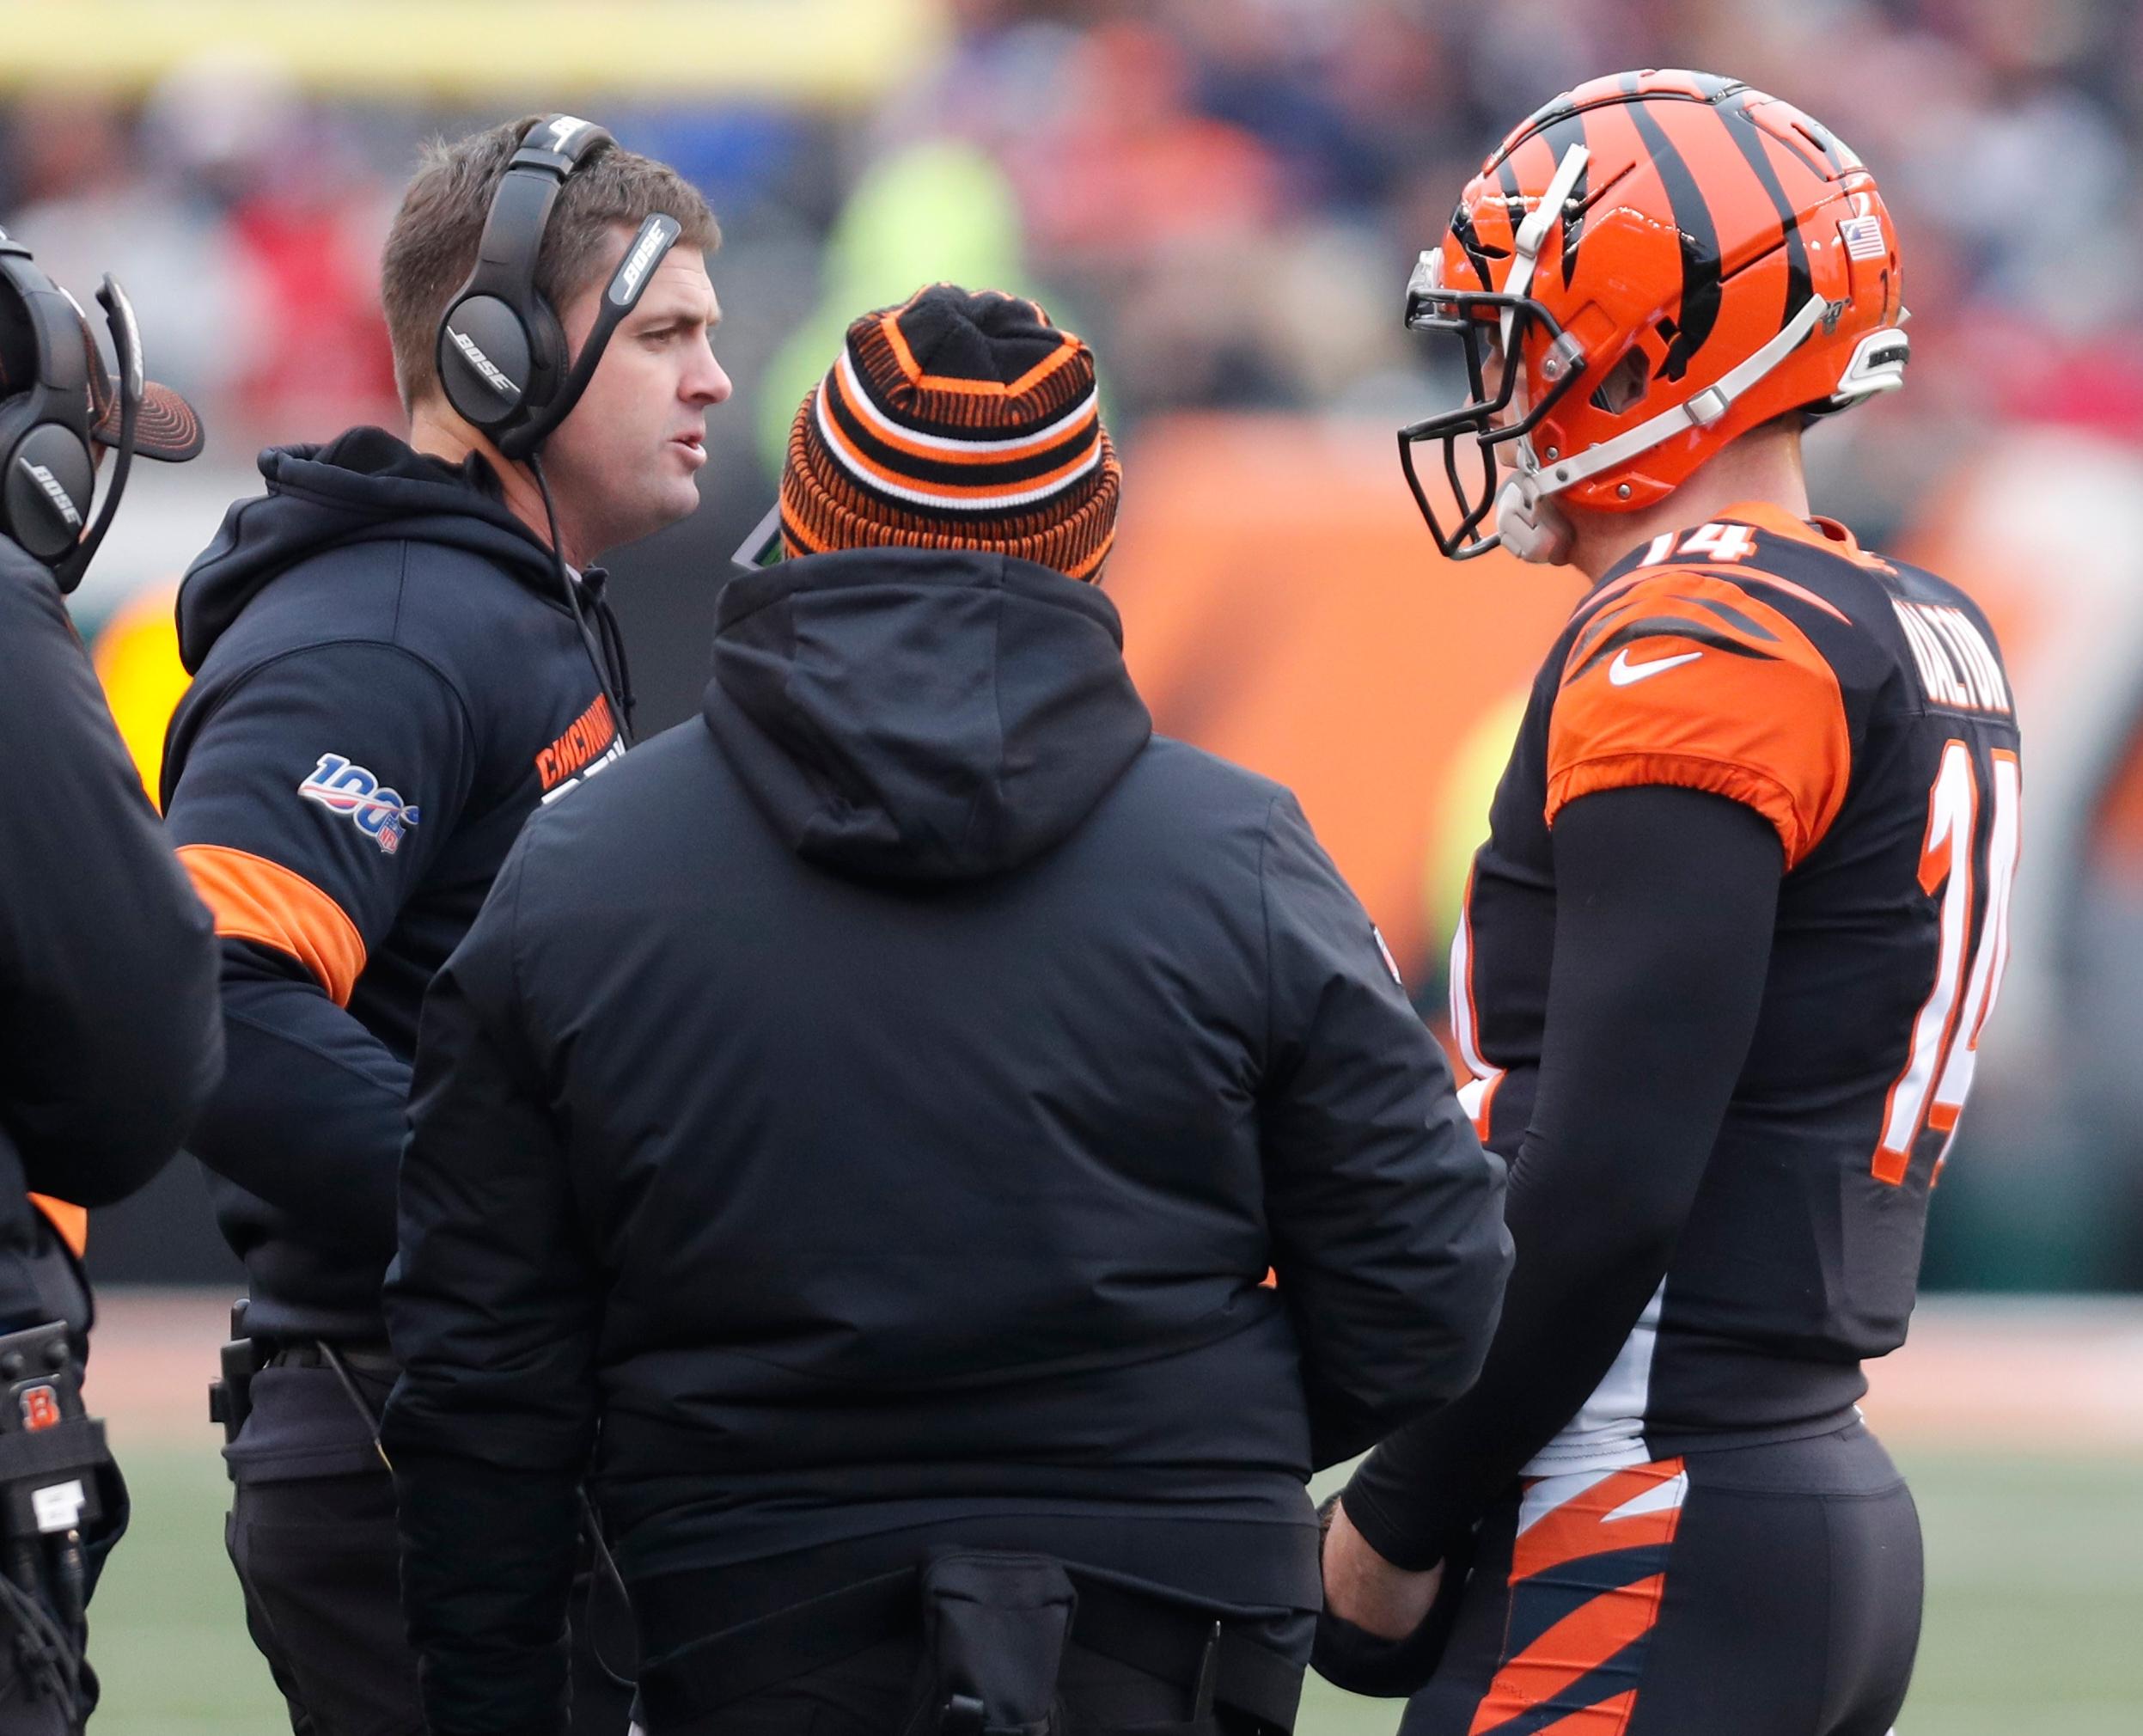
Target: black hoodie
878 1105
108 1036
387 682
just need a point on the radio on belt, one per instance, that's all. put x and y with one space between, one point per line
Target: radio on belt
50 1450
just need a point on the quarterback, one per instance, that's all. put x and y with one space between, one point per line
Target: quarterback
1725 958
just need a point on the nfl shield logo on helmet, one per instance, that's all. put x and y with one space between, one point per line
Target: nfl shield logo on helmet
351 791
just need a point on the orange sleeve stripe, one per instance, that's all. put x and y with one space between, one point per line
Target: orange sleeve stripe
254 899
73 1222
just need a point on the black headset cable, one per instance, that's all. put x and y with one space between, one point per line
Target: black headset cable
570 587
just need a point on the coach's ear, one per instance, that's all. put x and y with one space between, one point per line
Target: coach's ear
1351 1657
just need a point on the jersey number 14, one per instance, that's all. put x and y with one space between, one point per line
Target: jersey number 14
1938 1075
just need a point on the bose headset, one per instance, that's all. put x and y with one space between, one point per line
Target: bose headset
45 425
501 350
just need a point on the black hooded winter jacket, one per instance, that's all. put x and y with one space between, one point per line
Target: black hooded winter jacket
109 1041
387 682
876 1107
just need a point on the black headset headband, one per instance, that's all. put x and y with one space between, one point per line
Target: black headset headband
51 469
501 353
59 392
520 210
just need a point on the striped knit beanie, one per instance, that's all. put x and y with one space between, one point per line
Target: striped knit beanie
957 420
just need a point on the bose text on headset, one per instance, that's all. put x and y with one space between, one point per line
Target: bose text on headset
56 398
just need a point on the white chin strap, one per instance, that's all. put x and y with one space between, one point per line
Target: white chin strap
1534 529
1531 526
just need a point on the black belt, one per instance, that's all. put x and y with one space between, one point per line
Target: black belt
1176 1642
376 1360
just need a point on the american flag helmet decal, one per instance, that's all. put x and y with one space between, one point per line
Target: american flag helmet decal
1863 237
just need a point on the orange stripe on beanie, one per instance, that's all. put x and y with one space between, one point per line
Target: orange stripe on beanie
957 420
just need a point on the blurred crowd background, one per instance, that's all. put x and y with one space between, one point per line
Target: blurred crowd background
1225 196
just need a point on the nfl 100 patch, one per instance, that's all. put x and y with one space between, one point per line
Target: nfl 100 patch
354 793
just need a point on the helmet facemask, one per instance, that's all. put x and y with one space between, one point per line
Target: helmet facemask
1507 415
1493 332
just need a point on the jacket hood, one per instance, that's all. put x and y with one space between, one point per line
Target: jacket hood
912 714
364 485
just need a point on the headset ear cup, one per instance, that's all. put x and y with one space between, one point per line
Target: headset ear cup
50 478
16 419
484 361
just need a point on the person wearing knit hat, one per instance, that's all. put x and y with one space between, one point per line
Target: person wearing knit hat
959 419
872 1110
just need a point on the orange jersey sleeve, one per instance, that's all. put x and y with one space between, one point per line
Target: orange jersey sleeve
1685 678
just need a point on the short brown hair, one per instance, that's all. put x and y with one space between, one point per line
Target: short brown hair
431 247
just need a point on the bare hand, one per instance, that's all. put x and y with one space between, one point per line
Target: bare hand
1363 1588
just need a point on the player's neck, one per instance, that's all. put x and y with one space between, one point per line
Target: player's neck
437 432
1764 464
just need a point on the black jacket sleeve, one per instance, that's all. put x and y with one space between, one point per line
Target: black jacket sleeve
308 806
1386 1214
1665 904
109 1025
493 1309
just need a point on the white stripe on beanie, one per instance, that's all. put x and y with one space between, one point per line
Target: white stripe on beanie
1035 436
921 495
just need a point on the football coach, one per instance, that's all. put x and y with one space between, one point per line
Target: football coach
865 1121
400 651
109 1037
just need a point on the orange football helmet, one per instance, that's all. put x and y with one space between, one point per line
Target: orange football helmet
1650 265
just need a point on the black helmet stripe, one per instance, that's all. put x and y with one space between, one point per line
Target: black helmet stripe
1699 238
1558 126
1827 140
1549 112
1507 178
1565 129
1469 239
1749 139
1574 221
1802 146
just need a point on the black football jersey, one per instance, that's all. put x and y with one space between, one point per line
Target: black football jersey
1860 705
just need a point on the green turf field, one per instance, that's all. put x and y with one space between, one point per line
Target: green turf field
2035 1606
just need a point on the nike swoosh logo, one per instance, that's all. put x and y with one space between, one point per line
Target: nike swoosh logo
1622 671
